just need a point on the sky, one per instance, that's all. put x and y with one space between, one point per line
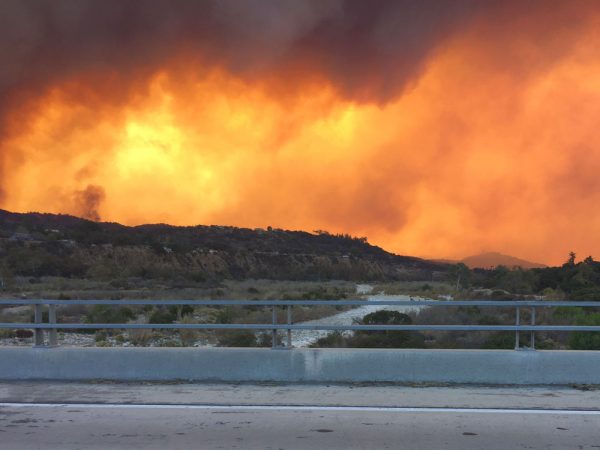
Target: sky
437 129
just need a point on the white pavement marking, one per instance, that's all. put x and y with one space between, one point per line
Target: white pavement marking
568 412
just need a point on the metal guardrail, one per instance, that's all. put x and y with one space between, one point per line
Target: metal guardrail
52 325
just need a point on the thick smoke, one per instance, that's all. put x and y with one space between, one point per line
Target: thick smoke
369 50
88 201
465 118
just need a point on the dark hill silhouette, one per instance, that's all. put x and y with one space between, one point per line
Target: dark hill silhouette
36 244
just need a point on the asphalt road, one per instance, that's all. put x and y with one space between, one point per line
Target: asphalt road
329 417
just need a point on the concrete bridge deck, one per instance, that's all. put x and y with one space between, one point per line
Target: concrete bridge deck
294 416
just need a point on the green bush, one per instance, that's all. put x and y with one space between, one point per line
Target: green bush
163 315
7 334
581 340
186 310
498 341
196 276
377 339
335 340
568 312
488 320
224 315
237 338
322 293
109 314
100 336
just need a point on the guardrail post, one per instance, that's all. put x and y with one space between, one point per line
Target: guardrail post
274 332
517 321
289 330
52 335
532 339
38 333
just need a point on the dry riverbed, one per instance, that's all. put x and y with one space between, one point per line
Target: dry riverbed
300 338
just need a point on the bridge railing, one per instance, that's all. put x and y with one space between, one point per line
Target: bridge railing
52 325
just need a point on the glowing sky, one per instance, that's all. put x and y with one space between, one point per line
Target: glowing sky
435 129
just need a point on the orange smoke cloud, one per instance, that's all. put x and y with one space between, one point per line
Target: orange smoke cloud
491 146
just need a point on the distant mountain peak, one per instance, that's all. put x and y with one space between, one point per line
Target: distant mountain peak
489 260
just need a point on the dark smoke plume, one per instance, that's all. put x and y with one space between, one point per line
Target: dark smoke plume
367 49
88 200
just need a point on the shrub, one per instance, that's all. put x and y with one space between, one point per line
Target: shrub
163 315
7 334
224 315
140 336
237 338
188 335
100 336
321 293
488 320
186 309
109 314
196 276
502 340
335 339
377 339
581 340
265 339
23 334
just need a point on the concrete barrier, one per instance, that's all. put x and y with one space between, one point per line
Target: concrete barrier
301 365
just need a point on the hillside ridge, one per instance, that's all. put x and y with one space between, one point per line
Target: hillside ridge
41 244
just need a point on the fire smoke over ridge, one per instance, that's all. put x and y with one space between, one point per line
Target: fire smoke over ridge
434 130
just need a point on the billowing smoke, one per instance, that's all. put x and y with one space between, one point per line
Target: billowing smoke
369 49
87 202
434 128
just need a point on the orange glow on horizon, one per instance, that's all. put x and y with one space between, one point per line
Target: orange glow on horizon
468 158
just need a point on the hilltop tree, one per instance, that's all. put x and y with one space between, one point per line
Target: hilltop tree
461 274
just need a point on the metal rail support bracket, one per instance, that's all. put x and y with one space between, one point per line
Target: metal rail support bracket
52 332
517 323
274 332
38 333
532 339
289 330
